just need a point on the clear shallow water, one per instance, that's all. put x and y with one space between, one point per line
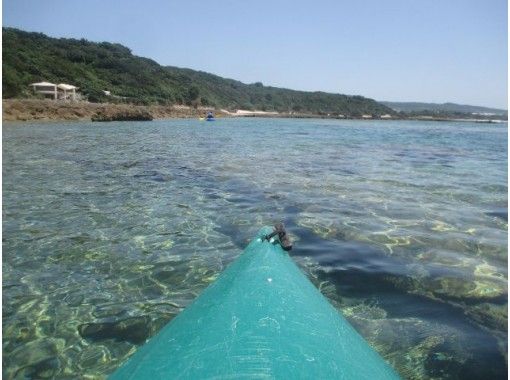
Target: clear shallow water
109 230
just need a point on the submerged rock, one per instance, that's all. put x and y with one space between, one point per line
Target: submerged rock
486 283
135 330
457 281
37 359
153 175
44 369
490 315
438 360
501 213
366 311
451 287
94 356
429 354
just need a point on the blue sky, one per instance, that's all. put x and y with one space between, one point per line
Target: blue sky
400 50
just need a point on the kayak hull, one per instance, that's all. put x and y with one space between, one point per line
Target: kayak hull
262 318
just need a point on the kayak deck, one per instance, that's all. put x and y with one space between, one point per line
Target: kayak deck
262 318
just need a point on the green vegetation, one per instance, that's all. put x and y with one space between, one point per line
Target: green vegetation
95 67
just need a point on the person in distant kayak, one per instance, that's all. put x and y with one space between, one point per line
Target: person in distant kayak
210 115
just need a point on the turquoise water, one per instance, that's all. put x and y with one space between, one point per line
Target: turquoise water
109 230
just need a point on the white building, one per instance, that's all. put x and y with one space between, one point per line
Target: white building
49 90
55 91
66 91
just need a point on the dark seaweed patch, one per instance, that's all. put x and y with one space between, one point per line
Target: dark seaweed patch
501 213
135 330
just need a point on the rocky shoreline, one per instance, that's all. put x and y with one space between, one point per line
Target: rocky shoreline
124 115
50 110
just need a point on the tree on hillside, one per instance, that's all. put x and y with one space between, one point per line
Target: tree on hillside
192 96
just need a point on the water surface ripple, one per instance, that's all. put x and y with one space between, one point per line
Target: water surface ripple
109 230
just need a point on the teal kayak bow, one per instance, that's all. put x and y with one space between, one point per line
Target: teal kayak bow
261 319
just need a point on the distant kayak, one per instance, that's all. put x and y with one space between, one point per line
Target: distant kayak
261 318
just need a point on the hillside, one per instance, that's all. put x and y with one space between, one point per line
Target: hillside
94 67
444 107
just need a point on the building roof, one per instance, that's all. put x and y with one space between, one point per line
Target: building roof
66 87
42 84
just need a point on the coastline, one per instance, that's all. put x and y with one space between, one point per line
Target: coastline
50 110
